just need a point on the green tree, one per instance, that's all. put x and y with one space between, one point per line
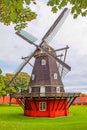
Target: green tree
78 7
21 82
19 85
9 89
2 86
19 12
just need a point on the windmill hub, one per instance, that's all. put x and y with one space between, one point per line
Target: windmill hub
47 48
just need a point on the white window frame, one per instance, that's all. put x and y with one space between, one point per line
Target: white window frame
42 91
58 89
55 75
42 106
33 76
43 62
30 89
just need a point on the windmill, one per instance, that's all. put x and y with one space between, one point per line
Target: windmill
46 96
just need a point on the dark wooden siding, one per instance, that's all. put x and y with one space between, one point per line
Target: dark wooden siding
44 75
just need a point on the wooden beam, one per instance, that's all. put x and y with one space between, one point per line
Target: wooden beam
58 103
25 58
59 55
64 60
62 104
67 47
53 105
35 105
30 107
67 103
73 98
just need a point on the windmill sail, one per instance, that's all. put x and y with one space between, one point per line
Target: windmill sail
64 70
56 26
27 36
21 67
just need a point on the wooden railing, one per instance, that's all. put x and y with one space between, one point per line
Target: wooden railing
46 95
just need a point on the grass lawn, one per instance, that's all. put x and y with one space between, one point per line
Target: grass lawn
11 118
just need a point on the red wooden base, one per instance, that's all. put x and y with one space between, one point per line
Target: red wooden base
54 108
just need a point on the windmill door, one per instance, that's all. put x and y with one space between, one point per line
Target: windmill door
42 91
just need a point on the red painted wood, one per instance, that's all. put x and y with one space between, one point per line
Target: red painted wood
7 100
80 101
52 109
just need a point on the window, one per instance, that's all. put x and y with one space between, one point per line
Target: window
33 76
43 62
58 89
55 75
42 106
30 89
42 91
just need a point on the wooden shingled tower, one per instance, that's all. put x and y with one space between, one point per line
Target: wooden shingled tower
45 75
46 96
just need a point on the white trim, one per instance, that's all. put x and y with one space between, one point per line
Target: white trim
42 106
43 62
42 91
30 89
33 76
58 89
55 75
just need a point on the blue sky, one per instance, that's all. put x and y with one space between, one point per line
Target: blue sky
72 33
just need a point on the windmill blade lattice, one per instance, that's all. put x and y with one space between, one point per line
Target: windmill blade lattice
56 26
27 36
64 71
20 68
